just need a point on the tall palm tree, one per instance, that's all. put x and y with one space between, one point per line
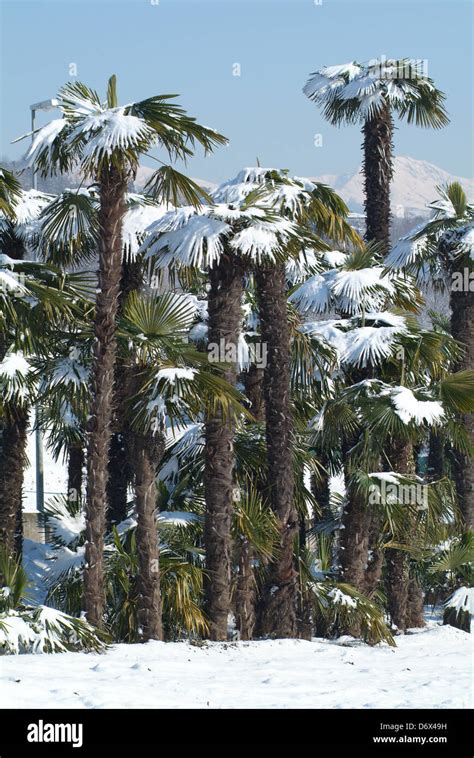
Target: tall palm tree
227 240
442 251
68 233
370 93
107 140
317 211
32 297
358 288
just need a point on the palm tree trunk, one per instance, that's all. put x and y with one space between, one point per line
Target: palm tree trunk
279 595
253 383
245 593
462 328
397 563
147 454
111 213
354 540
404 595
378 171
120 470
373 573
75 464
224 322
415 605
13 449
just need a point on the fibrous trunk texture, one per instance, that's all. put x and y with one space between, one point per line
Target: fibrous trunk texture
354 540
120 475
111 213
253 383
414 616
404 594
462 328
120 459
224 322
373 573
13 437
147 454
245 592
378 171
279 595
398 576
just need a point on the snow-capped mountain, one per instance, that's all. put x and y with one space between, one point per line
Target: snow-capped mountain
414 185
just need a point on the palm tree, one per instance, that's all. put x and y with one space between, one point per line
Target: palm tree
107 141
68 236
33 300
226 239
392 414
442 251
359 289
172 386
316 210
369 93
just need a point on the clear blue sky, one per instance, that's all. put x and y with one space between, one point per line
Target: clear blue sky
189 47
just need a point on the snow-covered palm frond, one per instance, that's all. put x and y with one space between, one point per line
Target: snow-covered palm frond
47 147
358 91
197 241
69 371
196 238
305 262
360 289
42 629
264 239
100 134
386 318
410 408
186 439
369 346
140 213
15 378
235 191
313 295
347 291
334 258
407 253
67 521
29 206
330 331
10 281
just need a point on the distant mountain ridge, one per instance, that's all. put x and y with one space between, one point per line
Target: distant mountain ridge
413 186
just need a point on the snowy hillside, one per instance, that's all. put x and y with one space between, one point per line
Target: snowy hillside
414 185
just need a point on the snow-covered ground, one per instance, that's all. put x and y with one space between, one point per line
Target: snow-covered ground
431 668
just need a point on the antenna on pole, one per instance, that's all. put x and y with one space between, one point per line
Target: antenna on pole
258 162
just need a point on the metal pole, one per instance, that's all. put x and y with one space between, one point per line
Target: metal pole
38 435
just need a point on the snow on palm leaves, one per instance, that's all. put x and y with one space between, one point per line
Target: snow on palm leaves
358 91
